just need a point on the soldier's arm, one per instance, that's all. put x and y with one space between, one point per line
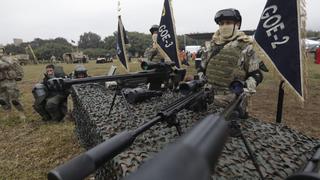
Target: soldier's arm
206 56
251 66
19 71
150 53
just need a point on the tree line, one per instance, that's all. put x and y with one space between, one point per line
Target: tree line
91 44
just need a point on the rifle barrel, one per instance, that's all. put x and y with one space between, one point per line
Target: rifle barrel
192 157
86 163
115 77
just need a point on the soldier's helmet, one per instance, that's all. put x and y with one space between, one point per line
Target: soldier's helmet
80 71
154 28
228 14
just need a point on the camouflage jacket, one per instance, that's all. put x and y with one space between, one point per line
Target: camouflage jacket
238 54
10 69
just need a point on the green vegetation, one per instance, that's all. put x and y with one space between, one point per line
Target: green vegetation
91 44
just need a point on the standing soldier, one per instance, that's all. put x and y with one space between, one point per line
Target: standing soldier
152 53
10 73
231 57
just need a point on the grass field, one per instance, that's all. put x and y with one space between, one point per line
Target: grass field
28 150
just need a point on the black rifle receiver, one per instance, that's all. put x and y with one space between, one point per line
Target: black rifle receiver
154 73
86 163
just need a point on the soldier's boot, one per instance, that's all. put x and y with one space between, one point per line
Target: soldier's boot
7 108
19 107
42 112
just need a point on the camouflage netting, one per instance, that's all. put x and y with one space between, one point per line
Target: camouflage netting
280 151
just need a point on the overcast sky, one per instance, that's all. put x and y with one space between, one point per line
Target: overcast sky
29 19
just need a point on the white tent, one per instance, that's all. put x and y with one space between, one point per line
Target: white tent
310 42
312 45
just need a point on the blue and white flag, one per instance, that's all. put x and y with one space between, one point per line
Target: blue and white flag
122 40
278 34
167 39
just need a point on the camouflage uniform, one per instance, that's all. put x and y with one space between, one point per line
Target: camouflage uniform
10 72
152 53
231 57
236 60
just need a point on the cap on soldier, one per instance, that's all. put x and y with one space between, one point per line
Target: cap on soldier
153 28
228 14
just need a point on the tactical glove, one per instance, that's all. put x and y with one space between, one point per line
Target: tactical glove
202 76
56 84
250 86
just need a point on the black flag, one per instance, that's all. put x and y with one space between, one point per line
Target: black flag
278 34
122 40
167 39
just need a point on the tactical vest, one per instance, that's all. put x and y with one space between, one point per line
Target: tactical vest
225 67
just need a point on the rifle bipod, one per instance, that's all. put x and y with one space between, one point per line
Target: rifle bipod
120 91
172 121
235 131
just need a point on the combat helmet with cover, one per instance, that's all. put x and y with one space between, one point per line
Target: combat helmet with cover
154 28
228 14
80 72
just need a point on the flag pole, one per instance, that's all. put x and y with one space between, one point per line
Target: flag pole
280 102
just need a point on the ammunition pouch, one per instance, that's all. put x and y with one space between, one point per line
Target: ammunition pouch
39 93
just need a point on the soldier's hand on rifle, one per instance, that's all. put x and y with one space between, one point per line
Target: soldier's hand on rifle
202 76
56 84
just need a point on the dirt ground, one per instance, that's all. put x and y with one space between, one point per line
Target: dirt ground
303 117
28 150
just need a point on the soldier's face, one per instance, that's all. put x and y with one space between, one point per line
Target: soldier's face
50 71
81 75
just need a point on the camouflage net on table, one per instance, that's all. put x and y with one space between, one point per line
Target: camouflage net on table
280 151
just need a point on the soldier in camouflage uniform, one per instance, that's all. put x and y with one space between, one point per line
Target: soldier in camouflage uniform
231 57
10 73
152 53
50 104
